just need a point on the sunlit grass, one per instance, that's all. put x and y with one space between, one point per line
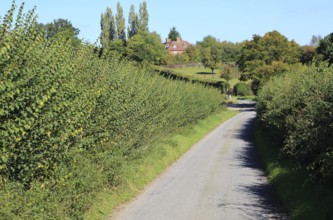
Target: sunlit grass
196 73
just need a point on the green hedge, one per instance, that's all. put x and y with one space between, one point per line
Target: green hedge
70 120
242 89
299 106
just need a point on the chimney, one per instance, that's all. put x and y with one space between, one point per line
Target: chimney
178 39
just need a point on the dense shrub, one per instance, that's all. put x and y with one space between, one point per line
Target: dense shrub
300 106
70 119
242 89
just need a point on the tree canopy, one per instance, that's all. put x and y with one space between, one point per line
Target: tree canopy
143 17
62 26
211 52
325 48
265 56
132 28
146 46
120 23
108 28
173 34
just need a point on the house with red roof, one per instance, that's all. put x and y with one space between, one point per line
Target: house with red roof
176 47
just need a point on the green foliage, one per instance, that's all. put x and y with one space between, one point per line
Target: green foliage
35 102
265 72
315 40
143 17
213 53
299 106
211 58
60 25
325 48
227 76
108 28
301 199
193 53
120 23
132 28
146 46
229 72
171 59
116 49
207 42
242 89
173 34
308 54
263 57
230 52
70 120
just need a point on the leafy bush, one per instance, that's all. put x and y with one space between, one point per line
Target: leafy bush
70 120
300 106
242 89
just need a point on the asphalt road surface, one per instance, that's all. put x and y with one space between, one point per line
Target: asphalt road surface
218 178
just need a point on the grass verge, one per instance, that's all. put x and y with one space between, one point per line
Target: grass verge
138 173
301 198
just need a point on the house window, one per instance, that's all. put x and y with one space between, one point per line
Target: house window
174 46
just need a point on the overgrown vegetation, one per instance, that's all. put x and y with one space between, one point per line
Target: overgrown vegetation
302 199
70 120
298 106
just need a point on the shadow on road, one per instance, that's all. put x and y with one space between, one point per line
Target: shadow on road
266 206
242 105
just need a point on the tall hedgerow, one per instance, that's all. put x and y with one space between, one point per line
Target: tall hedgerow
70 120
300 106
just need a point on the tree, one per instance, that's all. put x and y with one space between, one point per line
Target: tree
315 40
173 34
231 51
325 48
308 54
120 23
143 17
211 58
265 56
208 41
116 48
132 28
60 25
108 28
193 53
146 47
60 28
211 53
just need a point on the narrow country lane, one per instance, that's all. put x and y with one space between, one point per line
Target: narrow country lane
219 178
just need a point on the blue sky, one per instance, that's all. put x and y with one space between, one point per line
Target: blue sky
229 20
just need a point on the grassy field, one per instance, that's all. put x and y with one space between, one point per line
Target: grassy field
302 199
137 174
200 73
